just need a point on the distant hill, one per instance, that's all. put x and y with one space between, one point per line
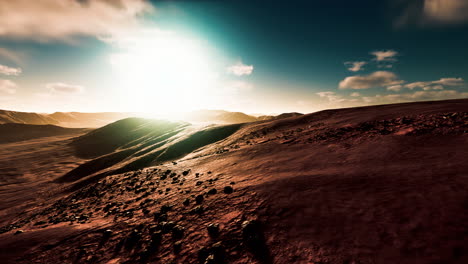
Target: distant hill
77 119
226 117
281 116
95 120
64 119
217 116
26 118
18 132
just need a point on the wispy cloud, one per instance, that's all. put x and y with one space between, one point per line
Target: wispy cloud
375 79
435 85
446 11
431 12
331 96
395 88
240 69
7 87
385 55
9 70
12 56
64 88
47 20
416 96
355 66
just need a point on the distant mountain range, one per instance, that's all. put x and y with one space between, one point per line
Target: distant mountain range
94 120
70 119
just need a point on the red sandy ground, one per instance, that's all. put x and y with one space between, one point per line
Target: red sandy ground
384 184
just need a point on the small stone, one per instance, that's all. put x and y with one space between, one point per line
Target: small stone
156 239
210 259
178 232
199 199
228 189
107 233
213 229
165 208
166 227
197 210
19 232
212 191
177 246
186 202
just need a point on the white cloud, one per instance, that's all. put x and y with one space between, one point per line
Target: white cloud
433 87
395 88
331 96
436 85
446 11
431 12
355 66
11 56
385 55
240 69
64 88
355 94
7 86
45 20
450 81
413 85
416 96
9 70
375 79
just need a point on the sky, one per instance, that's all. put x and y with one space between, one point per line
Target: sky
265 57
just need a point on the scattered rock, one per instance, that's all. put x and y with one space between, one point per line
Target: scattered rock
186 202
254 239
19 232
210 260
228 189
197 210
213 230
133 239
166 227
199 199
165 208
177 246
212 254
178 232
156 239
107 233
160 217
212 191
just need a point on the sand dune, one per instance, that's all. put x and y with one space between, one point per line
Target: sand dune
380 184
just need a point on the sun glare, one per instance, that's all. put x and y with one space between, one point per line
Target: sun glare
164 74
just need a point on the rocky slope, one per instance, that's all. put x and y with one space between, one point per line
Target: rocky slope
380 184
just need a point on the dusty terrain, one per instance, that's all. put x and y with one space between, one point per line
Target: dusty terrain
380 184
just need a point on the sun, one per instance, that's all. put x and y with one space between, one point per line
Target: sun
164 73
